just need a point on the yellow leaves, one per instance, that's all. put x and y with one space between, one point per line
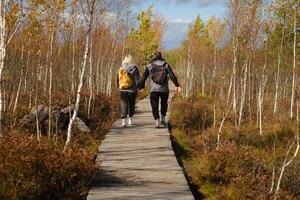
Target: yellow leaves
41 1
74 3
44 14
147 38
48 7
12 15
216 29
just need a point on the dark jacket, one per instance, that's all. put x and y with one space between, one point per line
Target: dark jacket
154 87
133 70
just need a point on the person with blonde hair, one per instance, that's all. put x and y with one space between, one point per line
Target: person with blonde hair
128 83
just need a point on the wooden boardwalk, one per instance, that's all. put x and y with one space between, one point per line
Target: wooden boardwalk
138 163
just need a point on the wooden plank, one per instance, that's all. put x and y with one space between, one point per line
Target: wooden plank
138 163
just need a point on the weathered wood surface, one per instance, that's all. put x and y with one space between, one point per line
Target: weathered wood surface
138 163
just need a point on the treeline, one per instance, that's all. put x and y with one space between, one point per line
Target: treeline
63 50
58 67
237 124
249 59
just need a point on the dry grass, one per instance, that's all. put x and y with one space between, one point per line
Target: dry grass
242 166
35 170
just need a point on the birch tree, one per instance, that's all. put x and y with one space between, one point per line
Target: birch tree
3 3
89 13
5 39
294 60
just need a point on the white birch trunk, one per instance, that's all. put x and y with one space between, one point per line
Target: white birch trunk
84 63
221 126
110 66
277 77
261 92
229 89
20 82
234 98
98 66
249 92
50 84
287 162
90 78
243 94
188 73
203 80
26 72
294 66
73 61
38 132
2 56
212 82
234 74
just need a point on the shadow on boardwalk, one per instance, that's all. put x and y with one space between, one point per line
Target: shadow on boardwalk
139 163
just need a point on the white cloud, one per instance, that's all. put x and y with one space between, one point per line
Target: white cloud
180 21
201 3
175 33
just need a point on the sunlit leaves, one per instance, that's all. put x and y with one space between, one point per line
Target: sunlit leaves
147 38
216 30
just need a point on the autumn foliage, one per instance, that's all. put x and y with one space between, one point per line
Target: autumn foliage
242 166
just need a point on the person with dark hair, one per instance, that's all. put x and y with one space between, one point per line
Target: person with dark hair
159 71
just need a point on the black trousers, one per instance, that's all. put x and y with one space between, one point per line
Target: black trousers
127 104
154 98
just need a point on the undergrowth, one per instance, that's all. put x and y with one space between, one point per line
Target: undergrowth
241 168
43 170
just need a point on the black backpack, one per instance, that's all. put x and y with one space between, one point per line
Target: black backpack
159 73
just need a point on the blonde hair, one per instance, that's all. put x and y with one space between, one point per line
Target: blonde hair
128 59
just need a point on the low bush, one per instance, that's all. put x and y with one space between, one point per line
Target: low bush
193 115
105 110
43 170
242 167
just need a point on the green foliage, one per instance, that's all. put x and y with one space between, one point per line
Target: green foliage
182 144
197 35
172 57
193 115
197 29
147 38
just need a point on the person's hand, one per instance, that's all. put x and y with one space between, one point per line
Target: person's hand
178 89
141 90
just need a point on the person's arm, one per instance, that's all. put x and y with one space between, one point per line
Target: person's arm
144 78
172 76
136 77
118 80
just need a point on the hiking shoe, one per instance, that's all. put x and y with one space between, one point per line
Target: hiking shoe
156 123
164 121
123 122
129 121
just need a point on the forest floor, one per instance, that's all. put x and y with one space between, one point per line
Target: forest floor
139 163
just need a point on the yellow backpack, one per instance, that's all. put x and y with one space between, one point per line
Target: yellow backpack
125 79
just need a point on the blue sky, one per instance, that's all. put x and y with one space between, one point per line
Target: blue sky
179 13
